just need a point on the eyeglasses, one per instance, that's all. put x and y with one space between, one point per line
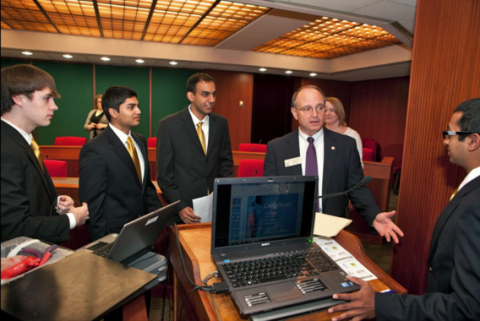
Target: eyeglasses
448 133
309 110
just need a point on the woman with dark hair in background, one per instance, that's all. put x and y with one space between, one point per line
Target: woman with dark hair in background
96 120
335 121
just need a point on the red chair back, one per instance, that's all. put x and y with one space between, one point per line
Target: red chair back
56 168
250 168
152 142
371 144
70 141
257 148
367 154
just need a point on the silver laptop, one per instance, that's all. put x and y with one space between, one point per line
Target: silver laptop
136 237
262 231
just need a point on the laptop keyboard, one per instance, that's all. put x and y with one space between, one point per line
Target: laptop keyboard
282 267
103 252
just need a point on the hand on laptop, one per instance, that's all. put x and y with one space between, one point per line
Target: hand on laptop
188 216
385 227
80 213
361 305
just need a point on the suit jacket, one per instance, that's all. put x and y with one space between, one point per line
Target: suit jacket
184 172
28 194
342 169
109 184
453 284
103 121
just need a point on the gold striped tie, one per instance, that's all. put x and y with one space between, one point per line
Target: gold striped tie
38 154
201 136
454 193
133 153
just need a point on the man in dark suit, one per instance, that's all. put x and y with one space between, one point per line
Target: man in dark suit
453 284
193 148
114 173
29 201
315 150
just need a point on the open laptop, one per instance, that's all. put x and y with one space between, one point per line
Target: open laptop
136 237
262 230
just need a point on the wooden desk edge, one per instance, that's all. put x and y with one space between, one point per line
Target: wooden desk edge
348 240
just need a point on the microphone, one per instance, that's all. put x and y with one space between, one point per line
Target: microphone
364 181
255 173
256 145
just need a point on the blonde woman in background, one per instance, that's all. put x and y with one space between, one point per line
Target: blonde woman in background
335 121
96 120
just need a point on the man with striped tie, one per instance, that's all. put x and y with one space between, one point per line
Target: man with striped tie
114 173
453 284
29 201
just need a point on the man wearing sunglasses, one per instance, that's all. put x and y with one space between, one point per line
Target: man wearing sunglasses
453 284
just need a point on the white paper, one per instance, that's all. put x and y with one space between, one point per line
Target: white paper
344 259
202 207
329 225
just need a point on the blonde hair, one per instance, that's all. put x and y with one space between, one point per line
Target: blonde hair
95 102
338 109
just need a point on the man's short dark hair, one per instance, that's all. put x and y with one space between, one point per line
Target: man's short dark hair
195 79
114 97
294 97
23 80
470 120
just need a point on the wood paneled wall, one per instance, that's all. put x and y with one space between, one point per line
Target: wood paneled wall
233 87
331 88
445 72
378 109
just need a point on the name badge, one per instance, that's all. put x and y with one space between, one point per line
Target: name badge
293 161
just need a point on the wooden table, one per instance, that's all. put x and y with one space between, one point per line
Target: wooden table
69 186
195 240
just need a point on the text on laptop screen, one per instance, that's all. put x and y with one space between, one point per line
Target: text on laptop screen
259 212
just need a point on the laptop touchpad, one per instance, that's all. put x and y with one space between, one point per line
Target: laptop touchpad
283 292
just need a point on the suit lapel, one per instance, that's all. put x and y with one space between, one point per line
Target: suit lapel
449 209
189 128
18 139
145 158
212 131
121 151
293 151
329 156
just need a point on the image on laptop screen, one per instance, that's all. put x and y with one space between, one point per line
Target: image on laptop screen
255 210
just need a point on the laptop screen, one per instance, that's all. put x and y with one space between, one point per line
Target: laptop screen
254 210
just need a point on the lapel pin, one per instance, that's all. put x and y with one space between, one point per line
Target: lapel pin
333 147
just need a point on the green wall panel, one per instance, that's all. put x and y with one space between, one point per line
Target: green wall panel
169 93
133 77
75 84
11 62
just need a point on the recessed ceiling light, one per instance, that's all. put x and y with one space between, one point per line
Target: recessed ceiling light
173 63
313 74
27 53
67 56
105 59
140 61
289 72
263 69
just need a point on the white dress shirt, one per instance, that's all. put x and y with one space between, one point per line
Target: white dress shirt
123 138
205 125
474 173
28 137
319 148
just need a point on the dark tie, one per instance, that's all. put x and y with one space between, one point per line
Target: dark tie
311 166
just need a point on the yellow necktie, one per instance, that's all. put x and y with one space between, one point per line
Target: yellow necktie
201 136
454 193
133 153
38 154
